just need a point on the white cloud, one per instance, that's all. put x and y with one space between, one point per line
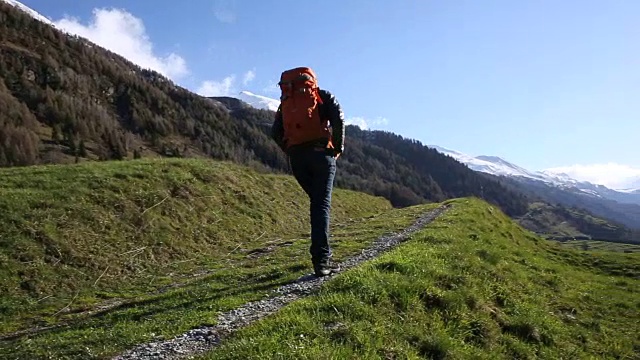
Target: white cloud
226 86
611 175
365 124
248 77
357 121
223 11
218 88
225 16
125 34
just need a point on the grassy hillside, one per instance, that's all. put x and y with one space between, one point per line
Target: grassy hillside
472 285
595 245
622 213
83 234
561 223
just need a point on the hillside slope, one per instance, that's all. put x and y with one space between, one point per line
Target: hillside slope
99 257
623 213
472 285
117 251
564 223
97 229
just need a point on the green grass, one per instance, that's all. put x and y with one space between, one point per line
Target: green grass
120 253
471 285
166 243
595 245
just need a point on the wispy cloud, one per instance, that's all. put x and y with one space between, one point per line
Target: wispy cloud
225 16
248 77
125 34
365 123
611 175
227 86
224 11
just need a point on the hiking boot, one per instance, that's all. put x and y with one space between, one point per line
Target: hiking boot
325 268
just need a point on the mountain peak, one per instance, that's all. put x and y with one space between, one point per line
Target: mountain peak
258 101
492 165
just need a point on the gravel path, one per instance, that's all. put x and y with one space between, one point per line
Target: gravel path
205 338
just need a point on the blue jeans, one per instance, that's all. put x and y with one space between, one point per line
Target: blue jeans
315 169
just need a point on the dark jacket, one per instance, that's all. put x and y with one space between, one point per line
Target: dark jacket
330 110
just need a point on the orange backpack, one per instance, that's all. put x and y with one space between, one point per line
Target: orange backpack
299 105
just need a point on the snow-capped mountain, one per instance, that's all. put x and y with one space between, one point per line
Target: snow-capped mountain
497 166
30 11
258 101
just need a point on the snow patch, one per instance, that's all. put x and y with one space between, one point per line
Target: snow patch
259 101
591 192
629 191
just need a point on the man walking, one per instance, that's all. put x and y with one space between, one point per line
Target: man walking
309 127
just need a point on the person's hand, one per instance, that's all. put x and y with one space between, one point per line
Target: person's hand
333 153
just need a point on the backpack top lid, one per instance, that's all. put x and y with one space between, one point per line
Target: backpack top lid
298 75
297 79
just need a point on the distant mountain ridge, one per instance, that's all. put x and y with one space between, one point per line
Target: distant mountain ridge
630 191
622 207
633 186
497 166
492 165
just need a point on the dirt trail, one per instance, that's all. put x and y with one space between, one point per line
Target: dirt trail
206 338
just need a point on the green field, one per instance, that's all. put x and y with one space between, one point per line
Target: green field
471 286
117 253
98 257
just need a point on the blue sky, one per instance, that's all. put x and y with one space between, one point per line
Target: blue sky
540 83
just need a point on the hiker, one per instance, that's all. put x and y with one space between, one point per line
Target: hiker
309 128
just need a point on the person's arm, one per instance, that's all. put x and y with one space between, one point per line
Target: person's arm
277 130
336 118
